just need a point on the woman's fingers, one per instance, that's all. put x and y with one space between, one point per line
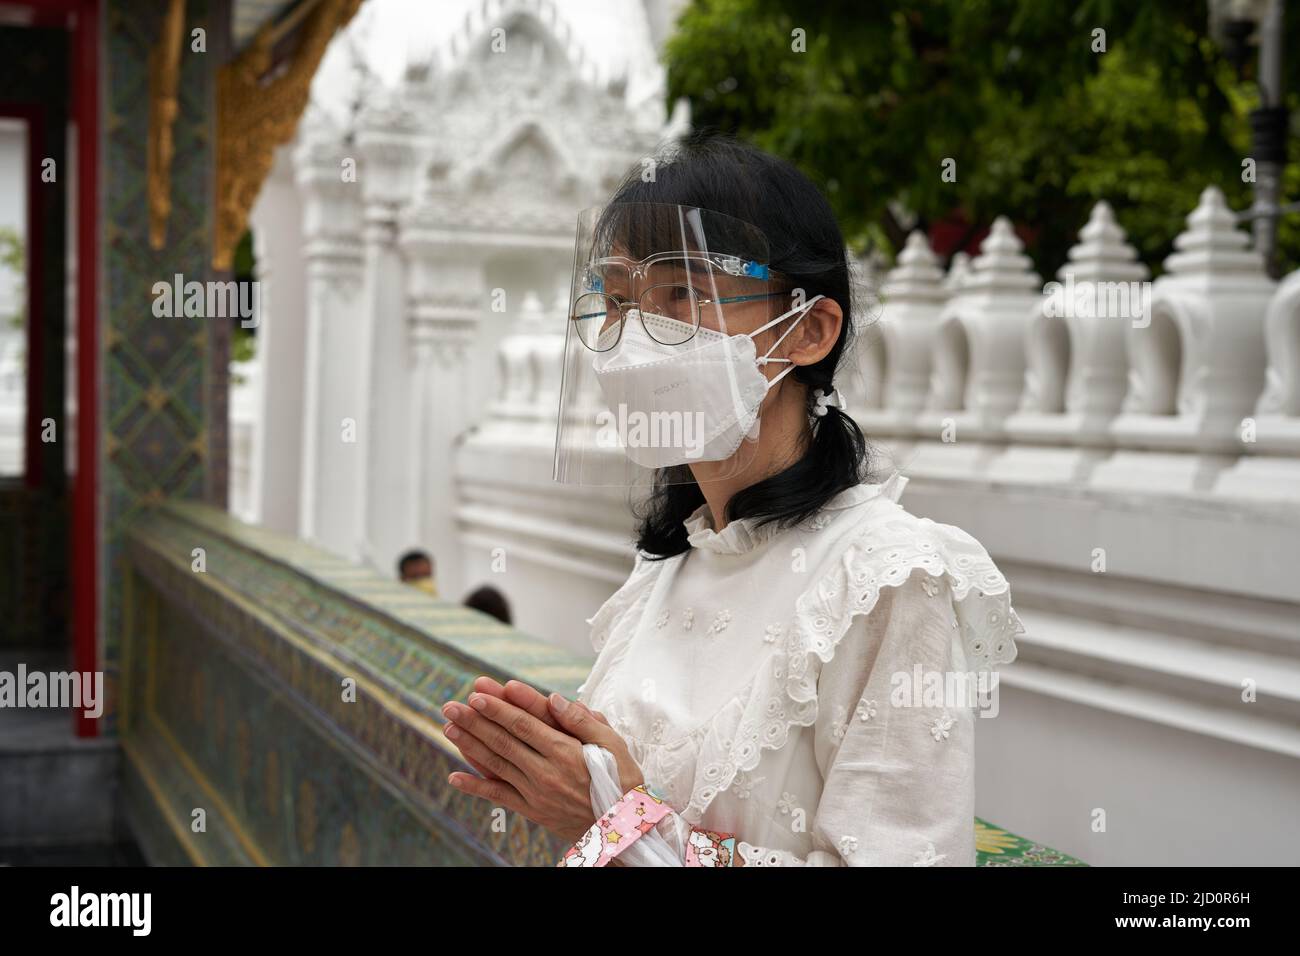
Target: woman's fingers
487 685
478 753
521 695
494 791
516 729
580 721
448 713
487 774
530 699
482 684
507 755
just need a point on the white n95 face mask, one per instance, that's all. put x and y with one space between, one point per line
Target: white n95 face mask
677 404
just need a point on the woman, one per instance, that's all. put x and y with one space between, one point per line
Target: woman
788 669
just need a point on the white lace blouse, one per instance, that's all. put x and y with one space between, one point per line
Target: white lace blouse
780 684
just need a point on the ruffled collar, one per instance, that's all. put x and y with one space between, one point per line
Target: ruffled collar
738 537
745 534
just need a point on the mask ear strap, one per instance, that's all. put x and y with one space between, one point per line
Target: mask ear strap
765 359
783 373
762 328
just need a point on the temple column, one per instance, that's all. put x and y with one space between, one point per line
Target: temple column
336 393
276 464
445 297
387 142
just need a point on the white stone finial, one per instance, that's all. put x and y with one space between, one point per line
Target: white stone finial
917 252
1103 250
1101 224
1001 262
1213 218
1211 243
958 272
917 275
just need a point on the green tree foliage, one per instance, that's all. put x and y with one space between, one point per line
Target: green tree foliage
1040 125
13 259
243 341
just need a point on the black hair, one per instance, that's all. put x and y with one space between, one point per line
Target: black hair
713 171
411 557
490 601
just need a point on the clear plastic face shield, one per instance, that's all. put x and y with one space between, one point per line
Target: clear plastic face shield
660 372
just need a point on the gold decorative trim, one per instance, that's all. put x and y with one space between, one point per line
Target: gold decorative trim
228 816
164 78
136 758
257 113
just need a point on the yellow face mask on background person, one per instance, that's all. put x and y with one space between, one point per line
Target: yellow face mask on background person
425 584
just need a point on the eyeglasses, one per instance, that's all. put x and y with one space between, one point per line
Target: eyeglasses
597 312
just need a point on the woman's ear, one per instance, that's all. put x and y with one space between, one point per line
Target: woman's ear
816 333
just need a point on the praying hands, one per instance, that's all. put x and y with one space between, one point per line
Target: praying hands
528 749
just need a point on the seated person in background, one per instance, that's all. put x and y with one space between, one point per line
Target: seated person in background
490 601
416 568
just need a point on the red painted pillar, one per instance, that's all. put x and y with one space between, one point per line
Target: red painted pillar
84 546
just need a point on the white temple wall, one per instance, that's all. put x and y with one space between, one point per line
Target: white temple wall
273 429
1170 796
337 337
556 552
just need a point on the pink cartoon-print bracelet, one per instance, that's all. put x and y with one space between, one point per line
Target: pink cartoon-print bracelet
636 813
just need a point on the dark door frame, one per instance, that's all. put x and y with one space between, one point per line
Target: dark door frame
83 20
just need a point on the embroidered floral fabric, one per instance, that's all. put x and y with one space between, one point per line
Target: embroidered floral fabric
811 689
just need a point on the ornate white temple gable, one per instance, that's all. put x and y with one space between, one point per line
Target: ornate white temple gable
434 283
522 180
